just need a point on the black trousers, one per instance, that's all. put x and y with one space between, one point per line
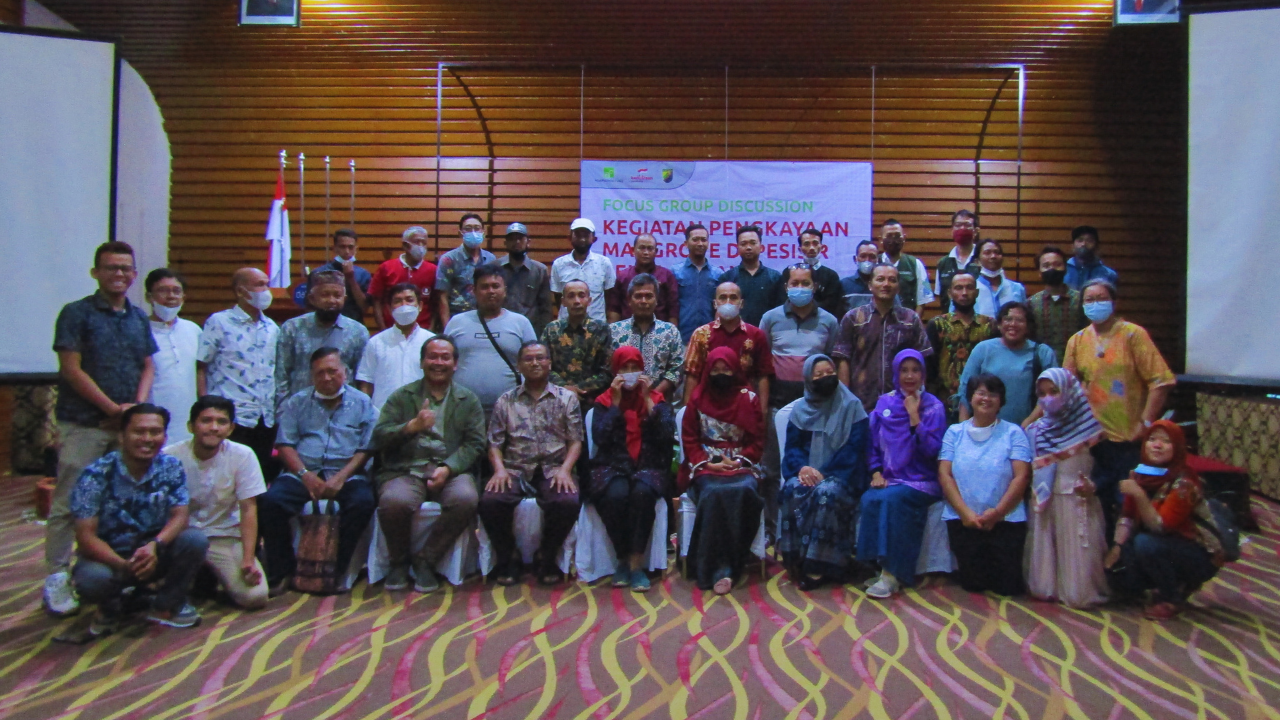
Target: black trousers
989 559
261 440
626 508
498 510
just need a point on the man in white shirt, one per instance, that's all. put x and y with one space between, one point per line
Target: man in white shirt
391 359
224 481
177 340
592 268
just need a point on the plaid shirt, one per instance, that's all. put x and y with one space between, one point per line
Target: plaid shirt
1057 319
579 356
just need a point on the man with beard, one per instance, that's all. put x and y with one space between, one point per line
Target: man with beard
913 279
1086 265
592 268
1057 310
953 337
326 327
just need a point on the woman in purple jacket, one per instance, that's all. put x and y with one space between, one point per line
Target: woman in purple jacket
902 454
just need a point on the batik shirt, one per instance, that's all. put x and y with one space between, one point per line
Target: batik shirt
301 336
240 355
130 512
869 341
579 356
748 341
661 348
1117 372
953 342
535 433
456 274
1057 319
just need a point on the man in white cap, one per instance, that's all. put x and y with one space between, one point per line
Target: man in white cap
592 268
528 281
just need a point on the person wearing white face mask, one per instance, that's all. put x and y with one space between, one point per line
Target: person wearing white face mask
1127 382
994 289
392 359
729 330
455 280
237 360
174 388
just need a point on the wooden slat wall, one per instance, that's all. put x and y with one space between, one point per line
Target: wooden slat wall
1104 133
11 12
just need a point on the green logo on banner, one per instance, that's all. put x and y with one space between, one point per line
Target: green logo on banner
608 173
667 174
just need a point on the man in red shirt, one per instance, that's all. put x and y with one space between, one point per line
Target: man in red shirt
410 267
729 330
645 249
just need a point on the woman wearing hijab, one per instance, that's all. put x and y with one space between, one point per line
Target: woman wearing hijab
907 426
983 470
1158 544
634 430
1067 537
825 473
723 440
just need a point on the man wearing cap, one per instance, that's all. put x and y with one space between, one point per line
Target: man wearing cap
528 281
592 268
645 250
454 279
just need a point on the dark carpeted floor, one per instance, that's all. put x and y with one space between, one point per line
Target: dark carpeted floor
764 651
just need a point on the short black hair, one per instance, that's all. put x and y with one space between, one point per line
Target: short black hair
422 354
159 274
688 230
857 248
963 213
987 381
531 343
890 221
323 352
486 270
1086 230
142 409
640 280
467 216
345 232
1006 308
212 402
402 287
750 228
988 241
114 247
811 230
1050 250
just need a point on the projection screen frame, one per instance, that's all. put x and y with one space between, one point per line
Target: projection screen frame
39 378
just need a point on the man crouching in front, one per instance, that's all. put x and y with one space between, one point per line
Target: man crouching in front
130 510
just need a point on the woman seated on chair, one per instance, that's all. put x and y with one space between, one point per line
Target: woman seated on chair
824 473
906 434
1068 534
1159 545
984 468
634 431
722 435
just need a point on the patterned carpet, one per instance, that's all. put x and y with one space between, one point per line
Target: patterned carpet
764 651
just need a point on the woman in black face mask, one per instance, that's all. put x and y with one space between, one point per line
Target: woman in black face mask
825 472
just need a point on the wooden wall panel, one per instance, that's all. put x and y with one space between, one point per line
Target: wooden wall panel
1104 124
11 12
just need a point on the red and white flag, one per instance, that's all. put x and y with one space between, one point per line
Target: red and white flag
279 254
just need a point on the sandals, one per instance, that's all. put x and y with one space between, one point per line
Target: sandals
509 575
550 576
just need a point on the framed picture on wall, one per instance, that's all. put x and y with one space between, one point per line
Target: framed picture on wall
270 12
1137 12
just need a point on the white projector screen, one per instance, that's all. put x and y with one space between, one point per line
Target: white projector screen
56 147
1233 196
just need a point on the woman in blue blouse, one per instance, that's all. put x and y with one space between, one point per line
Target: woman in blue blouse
1012 357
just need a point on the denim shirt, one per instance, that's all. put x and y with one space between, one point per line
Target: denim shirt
697 295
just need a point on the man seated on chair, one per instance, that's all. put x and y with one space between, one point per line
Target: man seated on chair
224 481
130 510
325 435
430 434
535 438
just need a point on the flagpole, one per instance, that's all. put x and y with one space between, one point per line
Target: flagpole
352 165
326 202
302 213
284 159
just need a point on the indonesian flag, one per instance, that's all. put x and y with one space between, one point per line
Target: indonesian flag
278 235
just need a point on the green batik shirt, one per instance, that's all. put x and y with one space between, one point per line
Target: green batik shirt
579 356
953 342
1057 319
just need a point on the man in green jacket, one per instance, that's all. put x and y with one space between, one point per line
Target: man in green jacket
430 434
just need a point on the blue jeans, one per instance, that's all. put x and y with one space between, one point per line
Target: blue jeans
892 529
1112 462
284 500
176 569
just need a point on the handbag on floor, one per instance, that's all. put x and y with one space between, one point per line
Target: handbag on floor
317 567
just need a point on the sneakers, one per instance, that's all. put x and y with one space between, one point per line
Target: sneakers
639 580
622 575
425 580
184 617
397 578
884 587
104 624
59 597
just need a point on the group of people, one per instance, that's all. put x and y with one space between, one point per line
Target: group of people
183 447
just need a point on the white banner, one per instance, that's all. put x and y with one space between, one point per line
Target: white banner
627 198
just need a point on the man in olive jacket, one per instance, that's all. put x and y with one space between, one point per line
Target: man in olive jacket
428 437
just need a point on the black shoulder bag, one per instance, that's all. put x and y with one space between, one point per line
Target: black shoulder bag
498 348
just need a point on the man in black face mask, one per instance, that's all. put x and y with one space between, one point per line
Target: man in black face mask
1057 309
326 327
528 281
1086 265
